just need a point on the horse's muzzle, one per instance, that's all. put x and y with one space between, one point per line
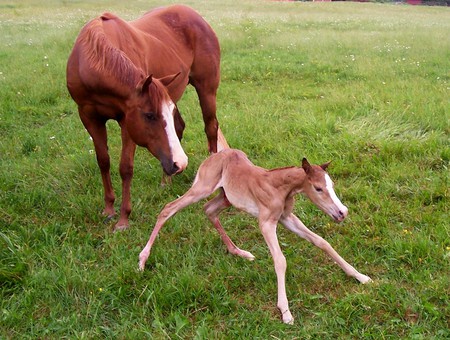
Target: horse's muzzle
341 214
170 168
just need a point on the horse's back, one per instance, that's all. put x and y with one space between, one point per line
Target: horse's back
187 33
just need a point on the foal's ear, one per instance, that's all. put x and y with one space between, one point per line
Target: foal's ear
167 80
143 85
325 165
306 166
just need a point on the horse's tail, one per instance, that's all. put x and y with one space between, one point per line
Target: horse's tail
221 141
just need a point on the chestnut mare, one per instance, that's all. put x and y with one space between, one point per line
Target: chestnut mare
135 72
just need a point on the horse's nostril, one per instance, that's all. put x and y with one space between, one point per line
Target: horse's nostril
175 168
341 213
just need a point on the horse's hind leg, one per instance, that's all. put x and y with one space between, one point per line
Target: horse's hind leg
97 130
202 188
205 77
207 98
212 209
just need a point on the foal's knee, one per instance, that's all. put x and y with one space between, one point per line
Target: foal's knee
280 263
321 243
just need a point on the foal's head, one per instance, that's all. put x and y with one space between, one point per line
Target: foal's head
154 122
319 188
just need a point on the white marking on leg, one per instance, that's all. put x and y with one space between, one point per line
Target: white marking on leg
334 198
178 154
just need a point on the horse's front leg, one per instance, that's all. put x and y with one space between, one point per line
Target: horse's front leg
98 133
269 231
126 173
294 224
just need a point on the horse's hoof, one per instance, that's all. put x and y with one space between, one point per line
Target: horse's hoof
364 279
121 227
246 255
289 321
108 219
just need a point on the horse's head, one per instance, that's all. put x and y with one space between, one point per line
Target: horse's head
154 122
319 188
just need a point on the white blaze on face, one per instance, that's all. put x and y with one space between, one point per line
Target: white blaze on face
334 198
179 157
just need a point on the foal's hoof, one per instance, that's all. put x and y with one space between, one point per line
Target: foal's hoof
364 279
287 317
143 257
247 255
288 321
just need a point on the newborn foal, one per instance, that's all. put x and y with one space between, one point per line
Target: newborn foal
268 195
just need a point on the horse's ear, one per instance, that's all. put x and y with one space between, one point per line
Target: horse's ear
325 165
167 80
306 166
143 85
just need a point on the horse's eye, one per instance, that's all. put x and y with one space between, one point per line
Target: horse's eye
150 116
318 189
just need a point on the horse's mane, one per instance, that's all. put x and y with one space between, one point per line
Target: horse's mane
282 168
103 56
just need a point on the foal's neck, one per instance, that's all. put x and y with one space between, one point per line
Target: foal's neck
289 179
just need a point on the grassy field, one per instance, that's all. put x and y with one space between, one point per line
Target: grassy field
365 85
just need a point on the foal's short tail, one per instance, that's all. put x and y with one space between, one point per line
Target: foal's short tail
221 141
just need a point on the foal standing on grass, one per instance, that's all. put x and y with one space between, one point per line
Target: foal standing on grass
267 195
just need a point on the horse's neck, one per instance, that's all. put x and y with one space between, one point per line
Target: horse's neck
290 179
106 59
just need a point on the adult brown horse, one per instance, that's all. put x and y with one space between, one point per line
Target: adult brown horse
135 72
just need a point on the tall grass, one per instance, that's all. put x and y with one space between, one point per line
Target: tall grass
366 85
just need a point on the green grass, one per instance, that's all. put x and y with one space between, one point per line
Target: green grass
366 85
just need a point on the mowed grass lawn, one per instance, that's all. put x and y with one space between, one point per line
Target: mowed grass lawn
364 85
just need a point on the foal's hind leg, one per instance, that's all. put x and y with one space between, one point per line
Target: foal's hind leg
212 209
199 190
97 130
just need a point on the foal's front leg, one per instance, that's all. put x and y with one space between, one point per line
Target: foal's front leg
269 231
294 224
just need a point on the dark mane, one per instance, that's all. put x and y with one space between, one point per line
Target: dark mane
105 57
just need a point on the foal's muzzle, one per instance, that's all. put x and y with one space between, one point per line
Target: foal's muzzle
340 215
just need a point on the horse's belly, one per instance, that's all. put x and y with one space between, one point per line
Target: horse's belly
242 202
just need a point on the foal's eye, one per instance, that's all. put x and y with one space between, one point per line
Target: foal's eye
150 116
318 189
